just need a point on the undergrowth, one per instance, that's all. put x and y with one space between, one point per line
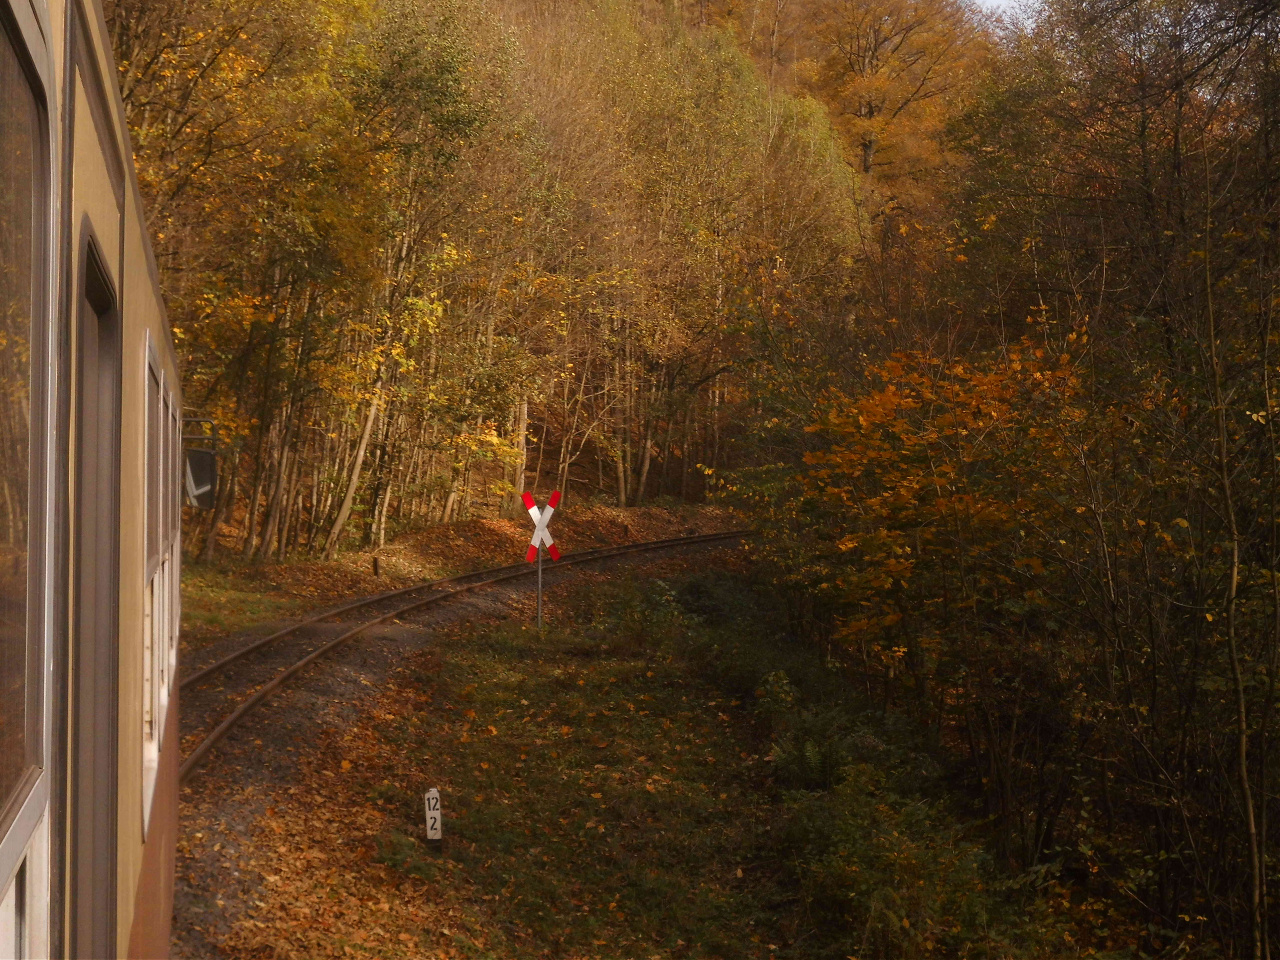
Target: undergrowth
666 771
880 852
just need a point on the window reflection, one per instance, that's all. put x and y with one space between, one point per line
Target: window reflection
19 125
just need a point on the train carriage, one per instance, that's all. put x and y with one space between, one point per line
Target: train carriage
90 468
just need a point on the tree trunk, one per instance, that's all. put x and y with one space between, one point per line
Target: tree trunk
666 449
380 526
542 446
622 469
276 501
331 542
684 452
644 461
251 517
1233 584
227 497
513 506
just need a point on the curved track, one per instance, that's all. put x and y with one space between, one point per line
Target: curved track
445 589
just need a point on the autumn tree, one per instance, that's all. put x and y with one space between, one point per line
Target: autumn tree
894 73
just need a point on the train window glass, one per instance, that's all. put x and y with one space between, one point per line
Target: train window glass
20 203
150 705
162 621
164 441
162 486
155 463
175 477
148 680
175 498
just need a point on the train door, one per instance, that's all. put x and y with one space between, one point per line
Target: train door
88 813
26 272
94 740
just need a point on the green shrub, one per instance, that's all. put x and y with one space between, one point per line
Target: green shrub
886 876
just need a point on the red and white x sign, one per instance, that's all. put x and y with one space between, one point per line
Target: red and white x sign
541 535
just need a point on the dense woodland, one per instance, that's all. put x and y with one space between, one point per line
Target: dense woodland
971 314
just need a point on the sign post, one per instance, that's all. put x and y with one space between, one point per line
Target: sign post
541 537
435 815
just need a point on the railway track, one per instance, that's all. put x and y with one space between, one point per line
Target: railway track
442 590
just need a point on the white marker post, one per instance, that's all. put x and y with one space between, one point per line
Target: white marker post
541 537
434 814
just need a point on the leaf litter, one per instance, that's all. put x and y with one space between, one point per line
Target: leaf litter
594 806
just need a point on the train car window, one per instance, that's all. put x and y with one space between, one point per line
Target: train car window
175 505
164 442
170 477
20 273
162 475
175 478
153 673
155 471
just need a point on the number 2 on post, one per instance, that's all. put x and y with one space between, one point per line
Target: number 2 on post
433 814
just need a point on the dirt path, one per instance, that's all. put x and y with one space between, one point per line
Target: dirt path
262 783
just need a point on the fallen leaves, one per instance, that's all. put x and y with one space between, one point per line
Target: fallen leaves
321 891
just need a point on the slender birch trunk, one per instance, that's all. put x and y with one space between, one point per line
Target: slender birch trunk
331 542
522 458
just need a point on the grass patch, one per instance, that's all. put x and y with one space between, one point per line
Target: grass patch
603 799
229 600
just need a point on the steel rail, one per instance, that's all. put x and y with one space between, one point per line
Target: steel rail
494 575
577 557
231 658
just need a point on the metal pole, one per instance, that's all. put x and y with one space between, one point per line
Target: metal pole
539 588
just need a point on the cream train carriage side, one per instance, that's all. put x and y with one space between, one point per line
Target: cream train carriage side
90 448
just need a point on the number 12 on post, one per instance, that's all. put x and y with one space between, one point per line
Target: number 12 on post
434 814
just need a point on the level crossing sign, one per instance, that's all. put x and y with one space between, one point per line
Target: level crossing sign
541 537
541 518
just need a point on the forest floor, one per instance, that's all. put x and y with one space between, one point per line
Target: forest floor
299 840
661 773
598 802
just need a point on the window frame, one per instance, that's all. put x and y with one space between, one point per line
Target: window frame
161 526
22 811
